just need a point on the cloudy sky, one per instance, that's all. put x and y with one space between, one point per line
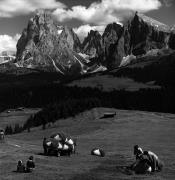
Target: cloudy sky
82 15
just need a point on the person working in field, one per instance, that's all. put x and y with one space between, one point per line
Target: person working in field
30 165
138 152
155 162
142 165
1 135
20 166
44 146
146 161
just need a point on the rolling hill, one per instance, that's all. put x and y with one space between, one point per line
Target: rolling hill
153 131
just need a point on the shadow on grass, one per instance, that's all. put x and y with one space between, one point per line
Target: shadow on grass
53 154
46 155
112 168
115 167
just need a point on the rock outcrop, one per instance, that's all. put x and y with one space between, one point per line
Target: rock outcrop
136 37
69 39
41 46
46 45
146 34
113 45
92 44
172 38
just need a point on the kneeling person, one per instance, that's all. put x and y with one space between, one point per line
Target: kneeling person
156 164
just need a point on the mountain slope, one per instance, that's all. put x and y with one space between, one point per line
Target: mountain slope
47 46
42 47
92 44
114 135
147 72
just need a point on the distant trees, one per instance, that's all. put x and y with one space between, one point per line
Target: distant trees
16 129
74 100
56 111
8 130
60 101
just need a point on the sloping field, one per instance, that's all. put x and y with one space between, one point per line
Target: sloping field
13 116
109 83
152 131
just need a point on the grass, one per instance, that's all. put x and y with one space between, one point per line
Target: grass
109 83
15 116
116 136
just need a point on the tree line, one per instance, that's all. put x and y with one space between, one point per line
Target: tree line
13 130
156 100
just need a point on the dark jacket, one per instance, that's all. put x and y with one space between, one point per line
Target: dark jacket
30 165
20 168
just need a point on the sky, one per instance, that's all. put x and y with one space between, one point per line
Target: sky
81 15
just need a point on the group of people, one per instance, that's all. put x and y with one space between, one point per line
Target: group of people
59 144
146 161
30 165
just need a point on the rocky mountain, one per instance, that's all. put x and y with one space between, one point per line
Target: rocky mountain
146 33
46 45
172 38
92 44
70 39
8 53
113 45
43 45
136 37
7 56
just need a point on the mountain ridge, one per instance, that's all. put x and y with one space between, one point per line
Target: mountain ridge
42 46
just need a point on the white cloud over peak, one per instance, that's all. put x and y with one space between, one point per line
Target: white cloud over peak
8 43
10 8
106 11
83 30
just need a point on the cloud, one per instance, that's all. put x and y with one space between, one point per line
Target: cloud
83 30
8 43
106 11
10 8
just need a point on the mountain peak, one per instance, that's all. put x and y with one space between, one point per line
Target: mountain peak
93 33
42 16
92 44
69 38
42 46
152 22
45 43
113 26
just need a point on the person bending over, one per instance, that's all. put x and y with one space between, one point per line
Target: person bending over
156 164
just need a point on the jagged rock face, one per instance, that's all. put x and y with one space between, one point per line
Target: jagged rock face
113 45
45 45
137 37
40 35
41 46
146 34
70 39
172 39
92 44
111 36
